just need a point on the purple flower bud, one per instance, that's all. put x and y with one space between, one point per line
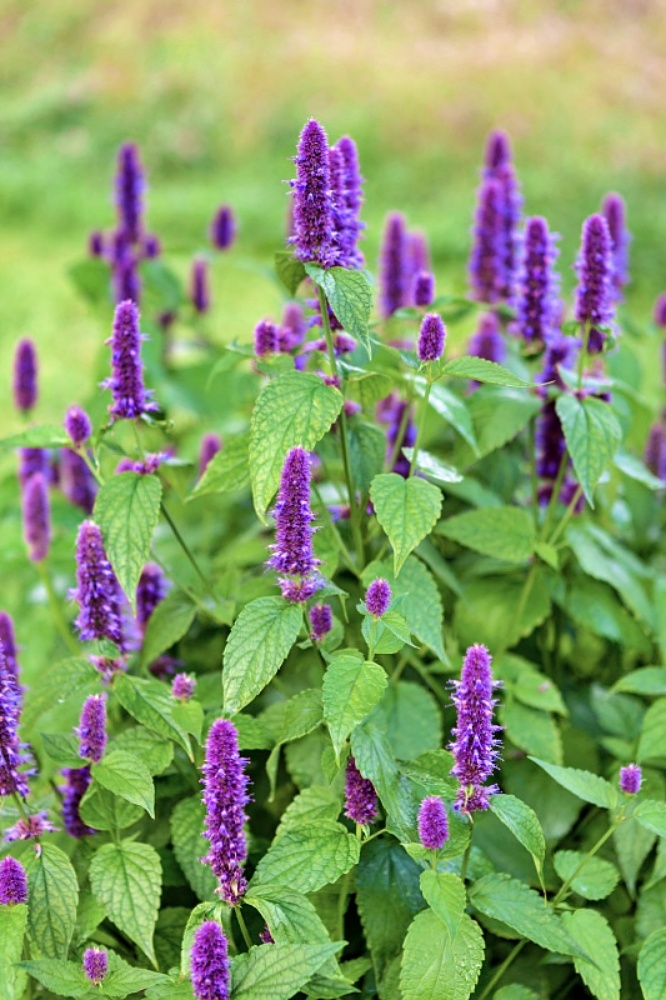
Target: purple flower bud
655 451
36 517
594 294
292 552
199 286
126 280
225 797
130 398
151 246
223 228
92 728
486 265
25 375
30 828
431 338
360 796
418 252
475 745
32 461
77 481
378 597
12 755
183 686
536 300
97 591
130 185
498 152
96 244
433 823
13 882
210 445
660 311
8 644
77 425
352 199
77 781
266 338
313 205
321 621
151 590
631 777
395 272
613 210
95 964
211 978
423 288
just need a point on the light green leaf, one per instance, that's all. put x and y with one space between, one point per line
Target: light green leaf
310 806
650 681
228 470
151 704
126 775
652 815
43 436
390 632
652 744
500 532
294 409
498 415
410 717
596 880
190 846
172 990
127 509
406 509
53 892
167 625
432 771
445 895
259 642
437 967
289 270
351 689
484 371
450 407
633 468
652 966
367 450
349 295
420 600
102 810
533 731
585 785
63 749
523 823
632 844
63 679
155 752
515 992
297 716
592 433
126 878
277 971
13 923
592 932
376 761
594 605
433 468
306 858
64 978
602 558
487 610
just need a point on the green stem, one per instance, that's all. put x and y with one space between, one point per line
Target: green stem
400 437
371 640
83 454
56 613
555 495
566 517
533 474
522 603
422 420
590 854
243 927
494 980
468 851
184 546
372 836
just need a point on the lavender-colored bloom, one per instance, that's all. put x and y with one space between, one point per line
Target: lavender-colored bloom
313 204
594 295
211 978
378 597
352 190
95 964
36 517
549 441
498 167
487 342
418 252
660 311
92 728
423 288
433 823
8 643
25 375
151 246
210 445
395 272
498 152
655 451
475 747
96 246
151 590
199 285
32 461
292 328
536 301
130 185
431 338
360 796
342 344
225 797
614 211
146 466
130 398
266 338
399 416
631 777
119 246
77 781
78 425
30 828
321 621
12 756
292 552
97 591
126 280
108 666
13 882
486 265
223 228
183 686
77 481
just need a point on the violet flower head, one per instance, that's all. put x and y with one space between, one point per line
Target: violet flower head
321 621
266 338
536 294
126 280
614 211
8 643
549 442
594 294
130 186
497 153
77 781
631 777
97 591
293 554
265 935
30 828
150 246
352 190
292 328
96 246
211 444
183 686
423 288
433 823
199 285
499 168
378 597
151 590
418 252
313 204
360 796
655 450
95 964
225 797
36 517
130 397
223 228
211 977
486 265
394 271
78 425
431 338
660 311
25 375
475 747
77 481
92 728
31 461
12 755
13 882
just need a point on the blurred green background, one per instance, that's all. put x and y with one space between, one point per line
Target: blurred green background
215 94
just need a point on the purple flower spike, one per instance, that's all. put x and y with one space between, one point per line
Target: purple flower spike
8 643
77 780
30 828
536 300
223 228
77 481
433 823
97 591
293 327
499 168
475 747
613 210
660 311
12 755
211 978
130 398
210 445
631 777
151 590
655 451
423 288
292 553
92 728
32 460
126 280
313 204
130 185
183 686
199 286
352 189
378 597
360 796
395 272
77 425
498 152
487 342
25 376
321 621
418 252
13 882
225 797
266 338
36 517
594 295
431 338
486 265
95 964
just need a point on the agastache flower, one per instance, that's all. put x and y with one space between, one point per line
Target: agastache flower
223 228
594 295
77 425
130 397
360 796
655 451
199 290
431 338
211 977
97 591
8 643
423 289
92 728
499 167
150 246
13 882
225 797
293 555
12 755
77 481
210 445
352 191
130 185
151 590
30 828
77 781
313 205
36 517
95 964
266 338
631 777
486 265
418 252
487 342
378 597
433 823
613 210
25 376
183 686
31 461
536 301
475 747
395 272
321 621
292 328
126 280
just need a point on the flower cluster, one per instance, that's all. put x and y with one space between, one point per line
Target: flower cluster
225 797
293 556
475 746
97 591
360 796
130 397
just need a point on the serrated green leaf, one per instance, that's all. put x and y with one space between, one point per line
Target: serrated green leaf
13 924
500 532
277 971
498 415
62 977
349 294
62 680
126 775
597 878
127 509
533 731
450 407
190 846
350 691
406 509
432 771
445 895
102 810
592 932
155 752
652 966
376 761
410 717
91 278
306 858
367 450
602 558
487 610
167 624
433 468
310 806
437 967
259 642
484 371
44 436
649 681
523 823
594 605
151 704
583 784
420 600
652 744
592 433
651 815
53 891
294 409
228 470
63 749
632 844
123 979
173 990
126 879
289 270
387 634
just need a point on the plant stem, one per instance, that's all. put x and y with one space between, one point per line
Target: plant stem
492 982
243 927
56 613
468 851
400 437
554 497
566 517
520 607
422 420
590 854
534 481
184 546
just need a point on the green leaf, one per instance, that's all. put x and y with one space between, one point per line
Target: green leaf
652 744
432 468
515 992
156 753
450 407
592 932
484 371
406 509
487 610
410 717
168 623
126 878
445 895
53 891
294 409
432 771
190 846
632 844
523 823
126 775
92 279
367 450
307 858
651 815
649 681
349 295
500 532
420 599
102 810
151 704
13 923
585 785
595 606
44 436
436 966
633 468
64 750
652 966
127 510
277 971
351 689
259 642
597 878
310 806
227 471
498 415
64 978
376 761
533 731
161 288
172 990
390 632
289 270
68 676
123 979
592 434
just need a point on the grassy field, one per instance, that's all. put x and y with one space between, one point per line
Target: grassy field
215 95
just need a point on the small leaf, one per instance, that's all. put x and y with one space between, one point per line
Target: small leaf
151 704
500 532
168 623
498 415
652 815
259 643
126 879
484 371
64 978
227 471
420 599
190 846
592 434
523 823
533 731
376 761
306 858
64 750
102 810
436 966
290 271
155 752
433 468
91 277
367 450
445 895
126 775
67 677
13 923
349 294
44 436
601 975
650 681
652 966
450 407
53 891
597 878
351 689
406 509
585 785
277 971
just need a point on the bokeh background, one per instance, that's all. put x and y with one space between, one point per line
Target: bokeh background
215 94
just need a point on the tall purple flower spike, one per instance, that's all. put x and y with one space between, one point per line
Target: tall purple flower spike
475 747
95 964
486 265
36 517
8 643
130 397
536 299
211 977
13 882
378 597
210 445
360 796
394 269
423 289
77 481
130 186
433 823
353 200
151 591
614 211
431 338
126 280
97 591
293 555
418 252
313 204
12 755
594 294
499 167
31 461
498 152
92 728
487 342
25 375
77 781
223 228
199 287
225 797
